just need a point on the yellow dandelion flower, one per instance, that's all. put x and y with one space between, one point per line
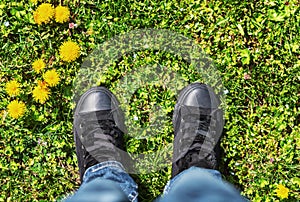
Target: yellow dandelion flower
43 14
42 84
51 77
282 191
12 88
16 109
69 51
41 92
38 65
62 14
36 18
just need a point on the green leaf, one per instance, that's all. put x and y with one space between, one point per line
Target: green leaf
277 17
241 30
263 183
296 180
245 54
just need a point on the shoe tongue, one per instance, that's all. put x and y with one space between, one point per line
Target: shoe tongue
203 161
196 131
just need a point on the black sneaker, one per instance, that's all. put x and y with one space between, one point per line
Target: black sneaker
198 124
98 128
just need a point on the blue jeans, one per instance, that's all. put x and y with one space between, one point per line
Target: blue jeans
108 182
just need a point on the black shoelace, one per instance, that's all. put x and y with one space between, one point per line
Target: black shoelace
100 140
197 142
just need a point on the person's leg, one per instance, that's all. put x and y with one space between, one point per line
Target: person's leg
106 182
98 134
200 185
198 124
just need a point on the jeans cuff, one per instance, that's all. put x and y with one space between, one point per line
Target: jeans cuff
103 165
114 171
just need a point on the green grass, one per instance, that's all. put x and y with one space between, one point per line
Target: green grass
262 132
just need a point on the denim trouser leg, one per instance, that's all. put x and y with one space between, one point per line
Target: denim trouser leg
106 182
200 185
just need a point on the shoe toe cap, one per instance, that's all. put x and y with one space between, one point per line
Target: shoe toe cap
96 101
201 96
